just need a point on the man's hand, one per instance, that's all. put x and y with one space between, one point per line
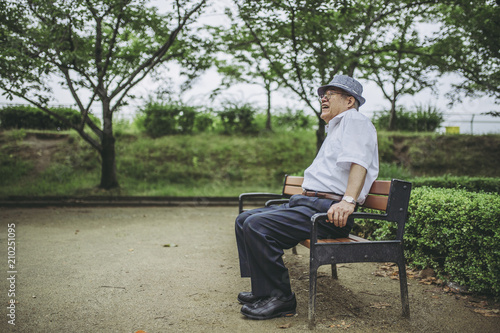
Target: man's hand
339 213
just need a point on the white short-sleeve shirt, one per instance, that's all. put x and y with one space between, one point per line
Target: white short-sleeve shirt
351 138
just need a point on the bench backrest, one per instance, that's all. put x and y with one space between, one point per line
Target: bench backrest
292 185
377 199
391 197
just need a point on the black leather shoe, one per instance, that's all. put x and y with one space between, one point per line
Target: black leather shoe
271 307
246 297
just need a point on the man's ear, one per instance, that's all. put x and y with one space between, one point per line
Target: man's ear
352 101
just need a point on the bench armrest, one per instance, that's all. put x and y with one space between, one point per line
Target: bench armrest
363 215
276 202
262 195
324 216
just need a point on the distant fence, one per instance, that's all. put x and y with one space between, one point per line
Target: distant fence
464 123
471 123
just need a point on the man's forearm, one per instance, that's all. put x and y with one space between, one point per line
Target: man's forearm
339 212
356 181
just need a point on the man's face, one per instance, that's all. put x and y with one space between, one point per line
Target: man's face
334 103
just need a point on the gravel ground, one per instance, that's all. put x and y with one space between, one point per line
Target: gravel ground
175 269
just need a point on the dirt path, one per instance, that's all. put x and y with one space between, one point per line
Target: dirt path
176 270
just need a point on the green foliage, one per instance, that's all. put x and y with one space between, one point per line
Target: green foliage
204 122
98 50
385 147
12 169
34 118
391 170
171 118
468 44
456 232
291 119
423 119
16 135
471 155
203 159
238 119
473 184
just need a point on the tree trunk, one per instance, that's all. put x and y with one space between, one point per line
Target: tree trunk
392 116
108 161
268 120
108 167
320 134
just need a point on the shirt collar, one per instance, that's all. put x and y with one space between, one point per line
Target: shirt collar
332 123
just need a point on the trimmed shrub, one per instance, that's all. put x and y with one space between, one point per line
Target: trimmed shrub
473 184
162 119
423 119
12 117
454 231
291 119
238 119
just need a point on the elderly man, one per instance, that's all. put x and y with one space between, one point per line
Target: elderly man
339 177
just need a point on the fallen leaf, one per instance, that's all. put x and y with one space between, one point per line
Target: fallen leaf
170 245
285 325
488 313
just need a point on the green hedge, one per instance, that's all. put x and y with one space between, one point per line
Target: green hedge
458 233
422 119
474 184
15 117
160 119
454 231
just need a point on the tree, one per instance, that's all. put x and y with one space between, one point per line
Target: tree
400 69
242 60
307 42
97 49
468 44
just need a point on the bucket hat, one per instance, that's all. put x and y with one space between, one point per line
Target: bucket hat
346 83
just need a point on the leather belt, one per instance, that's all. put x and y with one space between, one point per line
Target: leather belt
322 195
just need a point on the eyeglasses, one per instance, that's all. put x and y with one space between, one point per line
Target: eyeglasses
329 94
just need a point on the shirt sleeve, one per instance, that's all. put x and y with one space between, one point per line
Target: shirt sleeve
358 143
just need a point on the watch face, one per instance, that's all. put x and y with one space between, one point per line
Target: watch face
349 199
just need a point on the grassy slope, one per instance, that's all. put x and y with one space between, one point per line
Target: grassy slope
217 165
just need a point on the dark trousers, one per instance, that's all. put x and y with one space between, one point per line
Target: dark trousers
263 233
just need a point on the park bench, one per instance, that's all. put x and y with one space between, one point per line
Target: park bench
389 198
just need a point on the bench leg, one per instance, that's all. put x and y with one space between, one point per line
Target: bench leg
404 290
334 272
313 274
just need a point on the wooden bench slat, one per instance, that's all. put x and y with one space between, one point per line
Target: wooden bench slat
376 202
381 187
294 180
291 190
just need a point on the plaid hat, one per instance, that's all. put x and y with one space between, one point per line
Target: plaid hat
346 83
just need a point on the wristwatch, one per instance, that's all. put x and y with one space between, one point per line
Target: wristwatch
349 199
